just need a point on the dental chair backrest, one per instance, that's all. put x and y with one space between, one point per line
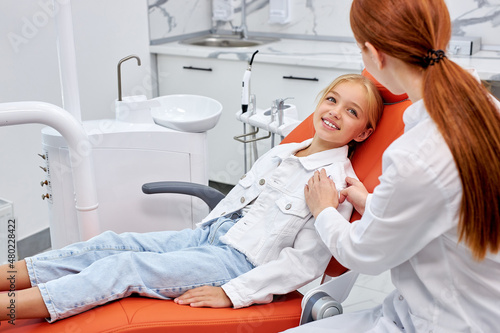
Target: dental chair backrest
367 159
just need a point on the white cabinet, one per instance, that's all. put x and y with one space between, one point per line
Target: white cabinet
146 153
221 80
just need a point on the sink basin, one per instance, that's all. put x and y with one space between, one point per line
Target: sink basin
187 113
229 41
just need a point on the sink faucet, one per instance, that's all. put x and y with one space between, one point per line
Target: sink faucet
242 30
119 70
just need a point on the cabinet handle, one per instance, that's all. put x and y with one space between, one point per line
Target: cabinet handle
300 78
198 68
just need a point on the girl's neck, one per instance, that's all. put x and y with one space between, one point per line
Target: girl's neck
313 148
303 152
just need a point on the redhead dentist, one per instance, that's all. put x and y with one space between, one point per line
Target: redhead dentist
434 220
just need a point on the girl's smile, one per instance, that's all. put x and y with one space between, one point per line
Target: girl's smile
330 124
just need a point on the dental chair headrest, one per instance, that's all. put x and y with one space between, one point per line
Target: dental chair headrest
305 129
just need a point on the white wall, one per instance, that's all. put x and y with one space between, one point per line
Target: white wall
105 32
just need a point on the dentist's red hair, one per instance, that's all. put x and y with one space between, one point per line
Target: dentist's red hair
460 106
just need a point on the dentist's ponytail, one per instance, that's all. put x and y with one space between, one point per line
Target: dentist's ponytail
417 32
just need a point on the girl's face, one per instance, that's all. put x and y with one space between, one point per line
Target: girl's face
341 116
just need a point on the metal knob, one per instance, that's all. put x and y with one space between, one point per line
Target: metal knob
44 182
45 196
325 307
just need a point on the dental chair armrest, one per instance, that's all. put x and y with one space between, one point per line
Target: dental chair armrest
324 300
206 193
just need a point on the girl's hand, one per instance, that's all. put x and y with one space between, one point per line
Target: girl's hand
206 296
355 193
320 193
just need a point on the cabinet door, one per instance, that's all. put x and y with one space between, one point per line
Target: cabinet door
302 84
221 80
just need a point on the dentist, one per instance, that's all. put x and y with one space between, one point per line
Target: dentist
434 220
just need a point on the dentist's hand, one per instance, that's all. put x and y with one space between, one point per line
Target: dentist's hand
320 193
206 296
355 193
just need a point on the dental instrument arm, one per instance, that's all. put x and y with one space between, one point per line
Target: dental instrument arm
245 85
245 97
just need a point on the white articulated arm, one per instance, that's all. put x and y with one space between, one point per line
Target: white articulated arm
80 151
324 300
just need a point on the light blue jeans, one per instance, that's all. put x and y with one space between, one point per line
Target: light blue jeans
110 266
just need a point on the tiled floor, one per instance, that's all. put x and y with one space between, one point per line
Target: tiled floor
368 291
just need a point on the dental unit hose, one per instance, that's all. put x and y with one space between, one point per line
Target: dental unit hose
245 97
245 85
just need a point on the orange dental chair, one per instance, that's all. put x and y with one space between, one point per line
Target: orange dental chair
138 314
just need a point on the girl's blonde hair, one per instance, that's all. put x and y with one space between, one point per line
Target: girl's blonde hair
375 102
417 32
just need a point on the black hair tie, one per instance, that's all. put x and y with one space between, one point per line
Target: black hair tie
433 57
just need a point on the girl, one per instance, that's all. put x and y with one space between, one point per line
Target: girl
434 220
258 241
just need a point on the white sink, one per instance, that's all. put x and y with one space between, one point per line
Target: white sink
187 113
228 41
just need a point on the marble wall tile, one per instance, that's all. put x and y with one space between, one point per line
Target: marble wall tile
308 17
169 18
476 18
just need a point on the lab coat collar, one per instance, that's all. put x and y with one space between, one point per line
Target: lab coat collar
318 160
415 114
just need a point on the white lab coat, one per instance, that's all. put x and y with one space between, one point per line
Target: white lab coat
410 226
277 233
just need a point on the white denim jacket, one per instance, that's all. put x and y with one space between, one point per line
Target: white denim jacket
277 234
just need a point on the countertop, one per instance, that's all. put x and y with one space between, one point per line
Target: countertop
327 54
284 52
